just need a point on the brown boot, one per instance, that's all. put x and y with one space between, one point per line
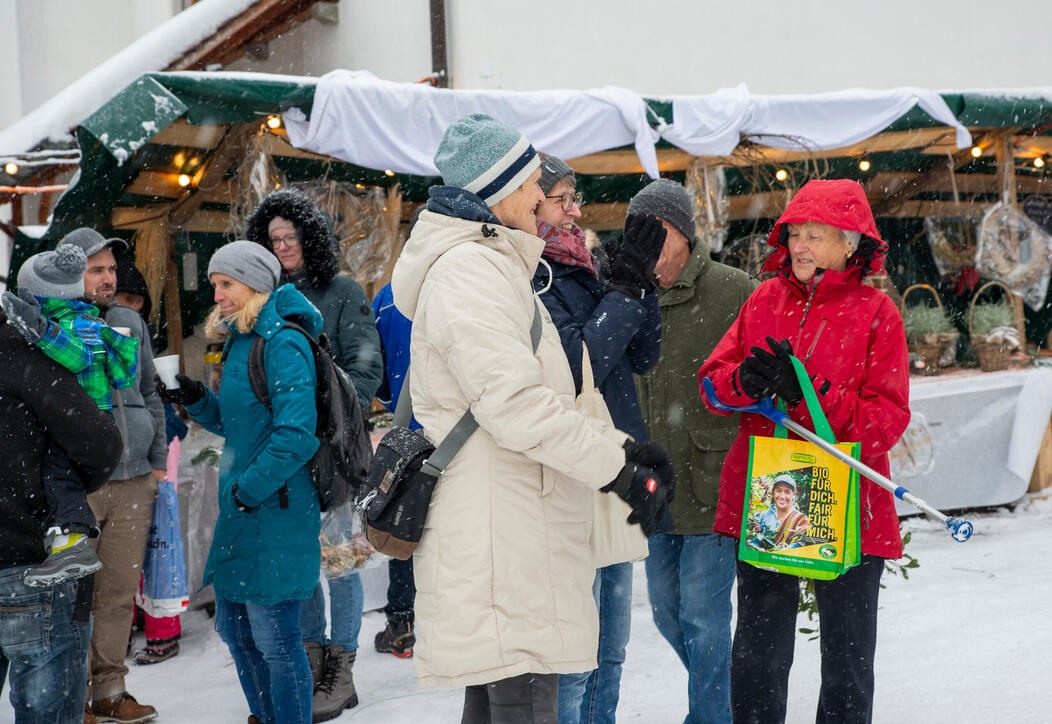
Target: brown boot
122 709
89 718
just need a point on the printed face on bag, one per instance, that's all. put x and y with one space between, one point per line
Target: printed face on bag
553 209
783 497
230 294
814 246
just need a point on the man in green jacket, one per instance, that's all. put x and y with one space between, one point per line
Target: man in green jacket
690 569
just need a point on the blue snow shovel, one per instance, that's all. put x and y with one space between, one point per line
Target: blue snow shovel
960 529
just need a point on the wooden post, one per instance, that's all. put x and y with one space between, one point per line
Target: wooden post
439 53
1004 149
172 311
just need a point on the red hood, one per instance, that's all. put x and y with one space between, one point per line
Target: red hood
838 202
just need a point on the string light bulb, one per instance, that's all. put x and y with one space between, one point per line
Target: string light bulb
274 122
10 168
863 165
781 174
976 152
184 180
389 172
1039 162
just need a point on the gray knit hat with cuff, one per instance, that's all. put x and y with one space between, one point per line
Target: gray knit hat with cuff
486 157
57 274
249 263
554 170
90 241
667 200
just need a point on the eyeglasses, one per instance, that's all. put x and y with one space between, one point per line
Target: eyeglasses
569 200
288 241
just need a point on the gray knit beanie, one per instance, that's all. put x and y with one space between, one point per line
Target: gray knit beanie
249 263
486 157
667 200
57 274
554 170
90 241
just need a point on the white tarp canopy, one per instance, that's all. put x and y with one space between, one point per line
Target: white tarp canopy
379 124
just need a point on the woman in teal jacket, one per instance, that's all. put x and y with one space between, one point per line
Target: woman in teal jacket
265 556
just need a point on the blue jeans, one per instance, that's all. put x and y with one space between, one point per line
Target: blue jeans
45 651
272 666
689 579
591 697
346 600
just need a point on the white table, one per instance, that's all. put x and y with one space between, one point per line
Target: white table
974 437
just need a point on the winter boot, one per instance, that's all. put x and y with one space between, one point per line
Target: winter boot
316 658
157 650
335 691
397 638
71 557
122 709
89 717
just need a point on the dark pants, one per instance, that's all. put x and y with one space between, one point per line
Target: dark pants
66 497
763 643
401 590
523 699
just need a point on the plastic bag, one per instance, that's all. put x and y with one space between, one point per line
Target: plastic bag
707 186
344 547
164 591
953 242
1016 251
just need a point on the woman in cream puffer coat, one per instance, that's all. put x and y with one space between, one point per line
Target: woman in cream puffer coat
503 571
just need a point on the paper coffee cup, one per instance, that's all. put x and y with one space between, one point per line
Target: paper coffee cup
167 368
126 331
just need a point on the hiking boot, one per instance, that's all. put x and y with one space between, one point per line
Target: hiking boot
122 709
335 691
89 718
71 557
316 658
157 650
397 638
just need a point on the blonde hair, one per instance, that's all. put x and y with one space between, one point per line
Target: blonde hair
243 319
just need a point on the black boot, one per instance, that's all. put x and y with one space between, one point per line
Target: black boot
397 638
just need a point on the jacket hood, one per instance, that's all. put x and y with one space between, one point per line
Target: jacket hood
435 234
320 255
837 202
131 281
287 303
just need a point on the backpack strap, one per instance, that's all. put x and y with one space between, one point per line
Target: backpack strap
466 425
257 378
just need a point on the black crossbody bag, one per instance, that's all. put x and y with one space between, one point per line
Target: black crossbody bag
397 493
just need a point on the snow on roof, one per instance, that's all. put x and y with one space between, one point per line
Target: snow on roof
153 51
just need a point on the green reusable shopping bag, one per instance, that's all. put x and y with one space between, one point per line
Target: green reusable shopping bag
801 504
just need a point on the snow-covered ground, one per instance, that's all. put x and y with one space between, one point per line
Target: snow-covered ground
968 638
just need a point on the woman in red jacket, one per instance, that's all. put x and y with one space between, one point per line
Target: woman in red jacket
850 338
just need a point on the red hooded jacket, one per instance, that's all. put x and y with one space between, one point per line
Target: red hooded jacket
849 337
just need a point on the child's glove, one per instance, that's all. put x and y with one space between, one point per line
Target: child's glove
88 331
23 312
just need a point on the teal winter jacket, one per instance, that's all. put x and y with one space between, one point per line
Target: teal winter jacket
268 554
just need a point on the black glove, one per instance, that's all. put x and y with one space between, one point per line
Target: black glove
653 456
187 393
776 369
632 268
641 488
23 312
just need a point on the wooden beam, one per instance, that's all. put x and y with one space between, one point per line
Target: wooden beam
1006 186
886 182
603 217
625 160
182 133
135 217
166 185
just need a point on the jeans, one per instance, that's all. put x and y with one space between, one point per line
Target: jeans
272 666
689 579
346 599
43 649
766 634
401 590
591 697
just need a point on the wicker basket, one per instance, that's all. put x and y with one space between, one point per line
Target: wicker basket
928 353
995 357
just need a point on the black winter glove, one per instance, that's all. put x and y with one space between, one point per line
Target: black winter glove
632 268
776 369
187 393
644 492
653 456
23 312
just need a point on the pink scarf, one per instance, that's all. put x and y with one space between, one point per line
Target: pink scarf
566 247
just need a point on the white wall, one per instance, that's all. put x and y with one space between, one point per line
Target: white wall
11 81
